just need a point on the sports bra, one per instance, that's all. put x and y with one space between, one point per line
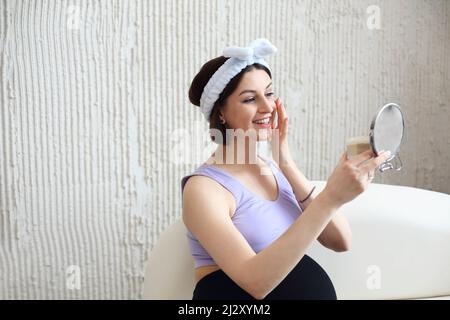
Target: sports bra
259 220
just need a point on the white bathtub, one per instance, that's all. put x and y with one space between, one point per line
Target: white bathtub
400 249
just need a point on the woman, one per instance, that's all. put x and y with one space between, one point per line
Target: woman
250 220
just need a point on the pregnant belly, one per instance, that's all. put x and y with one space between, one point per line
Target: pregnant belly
308 280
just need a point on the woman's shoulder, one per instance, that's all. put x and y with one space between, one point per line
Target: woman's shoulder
203 184
199 183
199 179
203 189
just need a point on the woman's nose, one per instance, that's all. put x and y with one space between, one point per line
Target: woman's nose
267 105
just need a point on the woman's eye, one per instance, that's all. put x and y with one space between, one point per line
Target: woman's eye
269 94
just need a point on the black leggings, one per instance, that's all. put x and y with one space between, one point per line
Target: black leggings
306 281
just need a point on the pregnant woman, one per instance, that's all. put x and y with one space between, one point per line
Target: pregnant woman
250 219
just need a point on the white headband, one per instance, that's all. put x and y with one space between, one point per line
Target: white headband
240 57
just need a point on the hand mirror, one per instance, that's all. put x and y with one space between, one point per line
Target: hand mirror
386 133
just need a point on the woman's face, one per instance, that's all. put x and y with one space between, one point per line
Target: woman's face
252 100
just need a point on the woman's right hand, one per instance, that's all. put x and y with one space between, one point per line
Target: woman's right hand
351 176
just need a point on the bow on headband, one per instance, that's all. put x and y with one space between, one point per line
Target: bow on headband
257 49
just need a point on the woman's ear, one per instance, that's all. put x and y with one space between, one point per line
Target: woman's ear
222 118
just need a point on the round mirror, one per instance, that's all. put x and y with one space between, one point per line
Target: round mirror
386 133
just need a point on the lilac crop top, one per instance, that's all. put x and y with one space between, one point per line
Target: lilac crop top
260 221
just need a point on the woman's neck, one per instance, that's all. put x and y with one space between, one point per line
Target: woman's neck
236 153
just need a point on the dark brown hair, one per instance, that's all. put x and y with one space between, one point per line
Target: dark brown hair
201 79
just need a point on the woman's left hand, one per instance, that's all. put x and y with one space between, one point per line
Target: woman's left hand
279 142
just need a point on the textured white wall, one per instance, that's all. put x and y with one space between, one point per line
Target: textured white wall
94 114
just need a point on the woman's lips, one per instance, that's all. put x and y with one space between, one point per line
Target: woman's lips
263 125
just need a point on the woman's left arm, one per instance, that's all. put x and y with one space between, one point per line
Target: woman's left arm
337 234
